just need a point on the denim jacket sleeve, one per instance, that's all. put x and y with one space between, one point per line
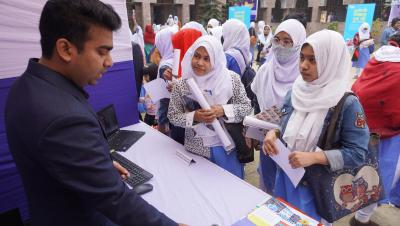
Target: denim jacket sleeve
353 136
352 133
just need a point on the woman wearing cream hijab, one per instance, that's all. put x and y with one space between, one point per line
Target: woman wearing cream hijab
324 65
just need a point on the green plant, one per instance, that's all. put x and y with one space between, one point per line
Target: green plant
210 9
334 26
376 27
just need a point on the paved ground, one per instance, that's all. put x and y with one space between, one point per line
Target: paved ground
384 216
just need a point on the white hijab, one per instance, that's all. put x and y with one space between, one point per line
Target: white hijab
196 26
388 54
260 26
216 32
266 40
312 100
364 34
213 23
164 45
236 37
274 79
218 80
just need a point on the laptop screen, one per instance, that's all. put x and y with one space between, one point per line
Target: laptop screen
108 120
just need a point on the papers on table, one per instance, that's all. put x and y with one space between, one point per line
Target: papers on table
282 159
157 89
275 212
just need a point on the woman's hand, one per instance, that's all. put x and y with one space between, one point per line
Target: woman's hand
205 116
218 110
269 146
121 170
168 74
299 159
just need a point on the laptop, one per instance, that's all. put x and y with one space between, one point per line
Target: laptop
118 140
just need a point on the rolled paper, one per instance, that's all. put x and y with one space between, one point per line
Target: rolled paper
226 142
175 66
257 123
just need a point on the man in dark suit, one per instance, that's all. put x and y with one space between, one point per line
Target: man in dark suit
53 133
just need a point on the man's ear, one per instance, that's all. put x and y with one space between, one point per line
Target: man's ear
65 49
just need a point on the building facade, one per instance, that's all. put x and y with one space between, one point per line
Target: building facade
319 12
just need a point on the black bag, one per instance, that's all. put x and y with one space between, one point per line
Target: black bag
247 78
345 191
245 154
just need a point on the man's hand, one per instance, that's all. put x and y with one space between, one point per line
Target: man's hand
269 146
122 171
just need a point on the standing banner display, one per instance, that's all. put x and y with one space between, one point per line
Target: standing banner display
394 11
241 13
356 15
252 4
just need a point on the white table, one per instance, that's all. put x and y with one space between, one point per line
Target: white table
198 194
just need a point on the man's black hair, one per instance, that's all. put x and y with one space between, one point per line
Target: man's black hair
71 19
395 37
301 17
394 21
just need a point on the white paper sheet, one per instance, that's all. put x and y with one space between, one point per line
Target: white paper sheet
228 145
175 66
157 89
255 133
282 159
251 121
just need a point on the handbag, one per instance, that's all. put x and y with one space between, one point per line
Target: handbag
344 191
245 154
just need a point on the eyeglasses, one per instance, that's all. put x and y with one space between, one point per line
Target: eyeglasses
287 43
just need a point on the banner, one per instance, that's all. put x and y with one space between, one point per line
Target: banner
252 4
356 15
395 11
241 13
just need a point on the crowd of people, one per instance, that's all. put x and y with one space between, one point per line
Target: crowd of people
304 76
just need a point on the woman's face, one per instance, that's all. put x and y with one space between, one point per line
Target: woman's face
308 65
283 39
201 61
266 30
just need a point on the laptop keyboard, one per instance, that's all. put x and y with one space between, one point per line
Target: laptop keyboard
137 174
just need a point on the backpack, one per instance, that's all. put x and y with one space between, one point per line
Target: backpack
247 78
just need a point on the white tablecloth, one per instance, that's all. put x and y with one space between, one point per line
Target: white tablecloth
200 194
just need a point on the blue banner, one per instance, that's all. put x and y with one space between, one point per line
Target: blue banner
356 15
241 13
252 4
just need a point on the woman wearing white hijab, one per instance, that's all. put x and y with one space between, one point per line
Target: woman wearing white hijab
264 43
274 79
217 32
324 65
212 23
163 43
236 45
364 45
205 63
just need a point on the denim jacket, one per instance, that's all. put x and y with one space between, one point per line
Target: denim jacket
352 133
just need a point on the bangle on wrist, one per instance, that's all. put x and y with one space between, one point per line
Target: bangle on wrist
277 133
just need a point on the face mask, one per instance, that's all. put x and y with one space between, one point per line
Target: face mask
284 54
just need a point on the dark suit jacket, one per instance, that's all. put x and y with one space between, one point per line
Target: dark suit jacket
63 157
